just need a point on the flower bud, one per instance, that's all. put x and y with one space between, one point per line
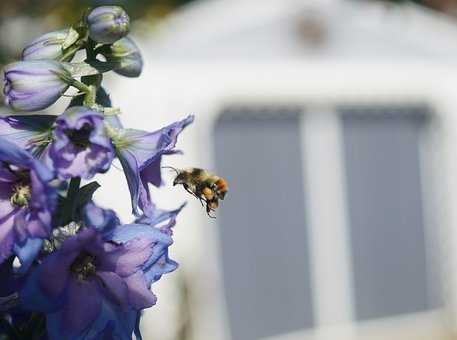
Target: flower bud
108 24
127 55
34 85
48 46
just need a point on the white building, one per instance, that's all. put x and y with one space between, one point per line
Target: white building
335 123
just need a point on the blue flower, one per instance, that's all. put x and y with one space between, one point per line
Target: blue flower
26 203
98 281
63 259
140 154
159 262
145 227
86 276
80 147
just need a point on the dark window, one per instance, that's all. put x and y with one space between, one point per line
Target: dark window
262 225
381 148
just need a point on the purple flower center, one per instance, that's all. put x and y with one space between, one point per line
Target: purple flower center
80 137
83 267
21 195
21 191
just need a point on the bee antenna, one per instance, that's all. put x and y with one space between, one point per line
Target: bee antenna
170 167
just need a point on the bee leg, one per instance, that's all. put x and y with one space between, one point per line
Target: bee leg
209 210
193 194
209 215
189 191
201 200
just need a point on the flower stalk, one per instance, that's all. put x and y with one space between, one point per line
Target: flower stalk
78 272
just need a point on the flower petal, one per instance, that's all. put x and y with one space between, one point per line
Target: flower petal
115 288
82 307
140 153
27 253
140 297
132 174
55 272
104 220
162 266
80 148
128 258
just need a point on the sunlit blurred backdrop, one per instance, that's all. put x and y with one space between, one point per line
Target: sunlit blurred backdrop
335 124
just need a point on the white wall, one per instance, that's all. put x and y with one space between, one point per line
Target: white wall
167 92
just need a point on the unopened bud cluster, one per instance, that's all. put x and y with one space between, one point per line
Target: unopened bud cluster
45 72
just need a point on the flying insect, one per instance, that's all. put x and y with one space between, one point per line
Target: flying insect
205 186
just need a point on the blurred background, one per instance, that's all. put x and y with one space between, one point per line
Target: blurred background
335 124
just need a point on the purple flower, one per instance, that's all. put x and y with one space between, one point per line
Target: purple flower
127 55
47 46
84 275
147 228
140 154
97 282
26 203
108 24
80 148
34 85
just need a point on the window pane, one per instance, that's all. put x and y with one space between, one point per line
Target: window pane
263 233
385 210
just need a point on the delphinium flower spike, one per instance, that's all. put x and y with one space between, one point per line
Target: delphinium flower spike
71 270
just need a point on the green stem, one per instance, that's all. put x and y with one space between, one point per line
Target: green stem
80 86
69 206
94 81
73 188
89 99
70 52
91 53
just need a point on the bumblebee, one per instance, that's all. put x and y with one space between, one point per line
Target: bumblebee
205 186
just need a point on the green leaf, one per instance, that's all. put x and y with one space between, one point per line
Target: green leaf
103 98
59 213
70 207
86 192
84 196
